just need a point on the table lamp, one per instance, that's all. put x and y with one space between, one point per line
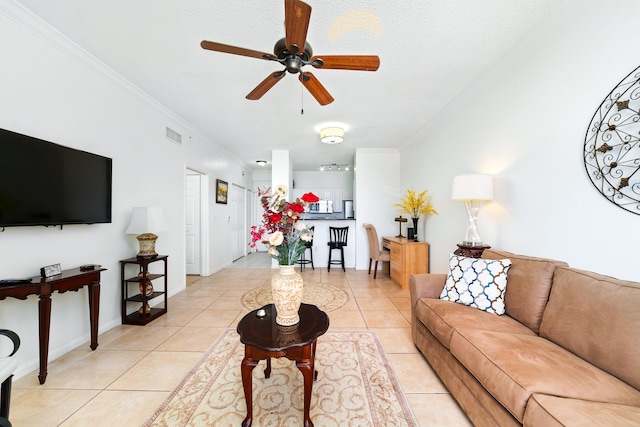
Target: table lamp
145 221
473 190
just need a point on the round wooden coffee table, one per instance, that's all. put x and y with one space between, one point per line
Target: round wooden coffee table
263 339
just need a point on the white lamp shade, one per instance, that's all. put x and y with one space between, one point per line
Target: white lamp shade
472 187
146 220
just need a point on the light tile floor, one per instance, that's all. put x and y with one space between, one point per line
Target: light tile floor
136 367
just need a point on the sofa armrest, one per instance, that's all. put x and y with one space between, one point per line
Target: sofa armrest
423 286
426 286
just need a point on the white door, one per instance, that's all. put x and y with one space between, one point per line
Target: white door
238 221
192 222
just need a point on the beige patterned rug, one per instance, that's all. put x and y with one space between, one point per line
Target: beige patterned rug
356 386
327 297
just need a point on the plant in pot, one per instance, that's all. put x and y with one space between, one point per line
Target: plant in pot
415 205
285 236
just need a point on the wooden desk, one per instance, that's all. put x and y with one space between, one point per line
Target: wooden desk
68 280
407 258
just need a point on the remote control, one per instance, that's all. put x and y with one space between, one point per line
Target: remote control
87 267
14 281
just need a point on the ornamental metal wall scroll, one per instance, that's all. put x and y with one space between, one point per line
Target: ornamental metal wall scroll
612 145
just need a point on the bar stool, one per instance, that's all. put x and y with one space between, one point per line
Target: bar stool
337 240
309 245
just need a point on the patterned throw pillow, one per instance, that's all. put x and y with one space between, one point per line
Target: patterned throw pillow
477 282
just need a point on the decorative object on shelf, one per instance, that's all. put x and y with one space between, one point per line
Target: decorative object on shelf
612 145
146 287
473 190
332 135
287 288
147 309
50 270
145 221
285 236
222 190
415 205
400 220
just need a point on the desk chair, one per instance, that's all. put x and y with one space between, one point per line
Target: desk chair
309 245
8 365
337 240
374 249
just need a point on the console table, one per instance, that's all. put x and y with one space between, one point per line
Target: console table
407 257
68 280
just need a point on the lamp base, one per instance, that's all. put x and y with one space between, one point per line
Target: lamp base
147 242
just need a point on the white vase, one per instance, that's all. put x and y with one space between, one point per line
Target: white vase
286 288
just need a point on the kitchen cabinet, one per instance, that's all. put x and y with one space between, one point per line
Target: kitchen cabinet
337 199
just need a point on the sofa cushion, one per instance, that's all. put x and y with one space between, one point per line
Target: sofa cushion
550 411
513 366
477 282
528 285
442 317
598 318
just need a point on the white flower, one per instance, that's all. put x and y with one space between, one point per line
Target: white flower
273 251
300 226
280 191
276 238
306 237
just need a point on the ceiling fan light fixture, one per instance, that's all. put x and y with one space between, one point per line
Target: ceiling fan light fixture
332 135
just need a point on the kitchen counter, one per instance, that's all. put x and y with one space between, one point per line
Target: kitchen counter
321 237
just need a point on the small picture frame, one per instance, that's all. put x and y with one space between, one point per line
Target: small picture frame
50 270
222 191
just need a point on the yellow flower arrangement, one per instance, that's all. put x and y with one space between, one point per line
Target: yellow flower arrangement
415 204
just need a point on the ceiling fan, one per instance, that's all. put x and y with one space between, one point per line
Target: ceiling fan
294 52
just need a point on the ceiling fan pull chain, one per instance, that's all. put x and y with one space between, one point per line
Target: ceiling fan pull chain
301 100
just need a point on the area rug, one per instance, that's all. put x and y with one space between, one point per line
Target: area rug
327 297
356 386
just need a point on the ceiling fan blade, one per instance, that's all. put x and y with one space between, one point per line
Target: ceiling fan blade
225 48
265 85
347 62
296 21
316 89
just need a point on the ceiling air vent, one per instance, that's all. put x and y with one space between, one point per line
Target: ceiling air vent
174 136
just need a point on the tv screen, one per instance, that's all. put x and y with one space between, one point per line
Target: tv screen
42 183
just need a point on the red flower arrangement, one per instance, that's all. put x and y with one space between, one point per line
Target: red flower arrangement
280 228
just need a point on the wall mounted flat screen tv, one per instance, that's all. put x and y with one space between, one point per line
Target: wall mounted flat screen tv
42 183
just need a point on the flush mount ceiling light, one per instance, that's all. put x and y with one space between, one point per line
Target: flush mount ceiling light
332 135
261 162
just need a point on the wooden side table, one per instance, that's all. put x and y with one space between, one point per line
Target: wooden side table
263 339
470 251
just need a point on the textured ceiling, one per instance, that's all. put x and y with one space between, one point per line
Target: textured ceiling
429 50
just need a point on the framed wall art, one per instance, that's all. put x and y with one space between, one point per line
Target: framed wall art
222 190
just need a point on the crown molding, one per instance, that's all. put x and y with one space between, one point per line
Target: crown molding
43 30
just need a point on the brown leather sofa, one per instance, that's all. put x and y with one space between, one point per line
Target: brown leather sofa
566 352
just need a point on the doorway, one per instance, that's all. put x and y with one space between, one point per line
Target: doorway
238 203
195 237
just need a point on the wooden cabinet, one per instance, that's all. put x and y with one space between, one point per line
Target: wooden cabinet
407 258
139 293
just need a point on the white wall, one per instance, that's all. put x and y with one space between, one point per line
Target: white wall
54 91
323 179
377 183
525 121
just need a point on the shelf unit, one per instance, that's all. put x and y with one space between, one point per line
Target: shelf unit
131 294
